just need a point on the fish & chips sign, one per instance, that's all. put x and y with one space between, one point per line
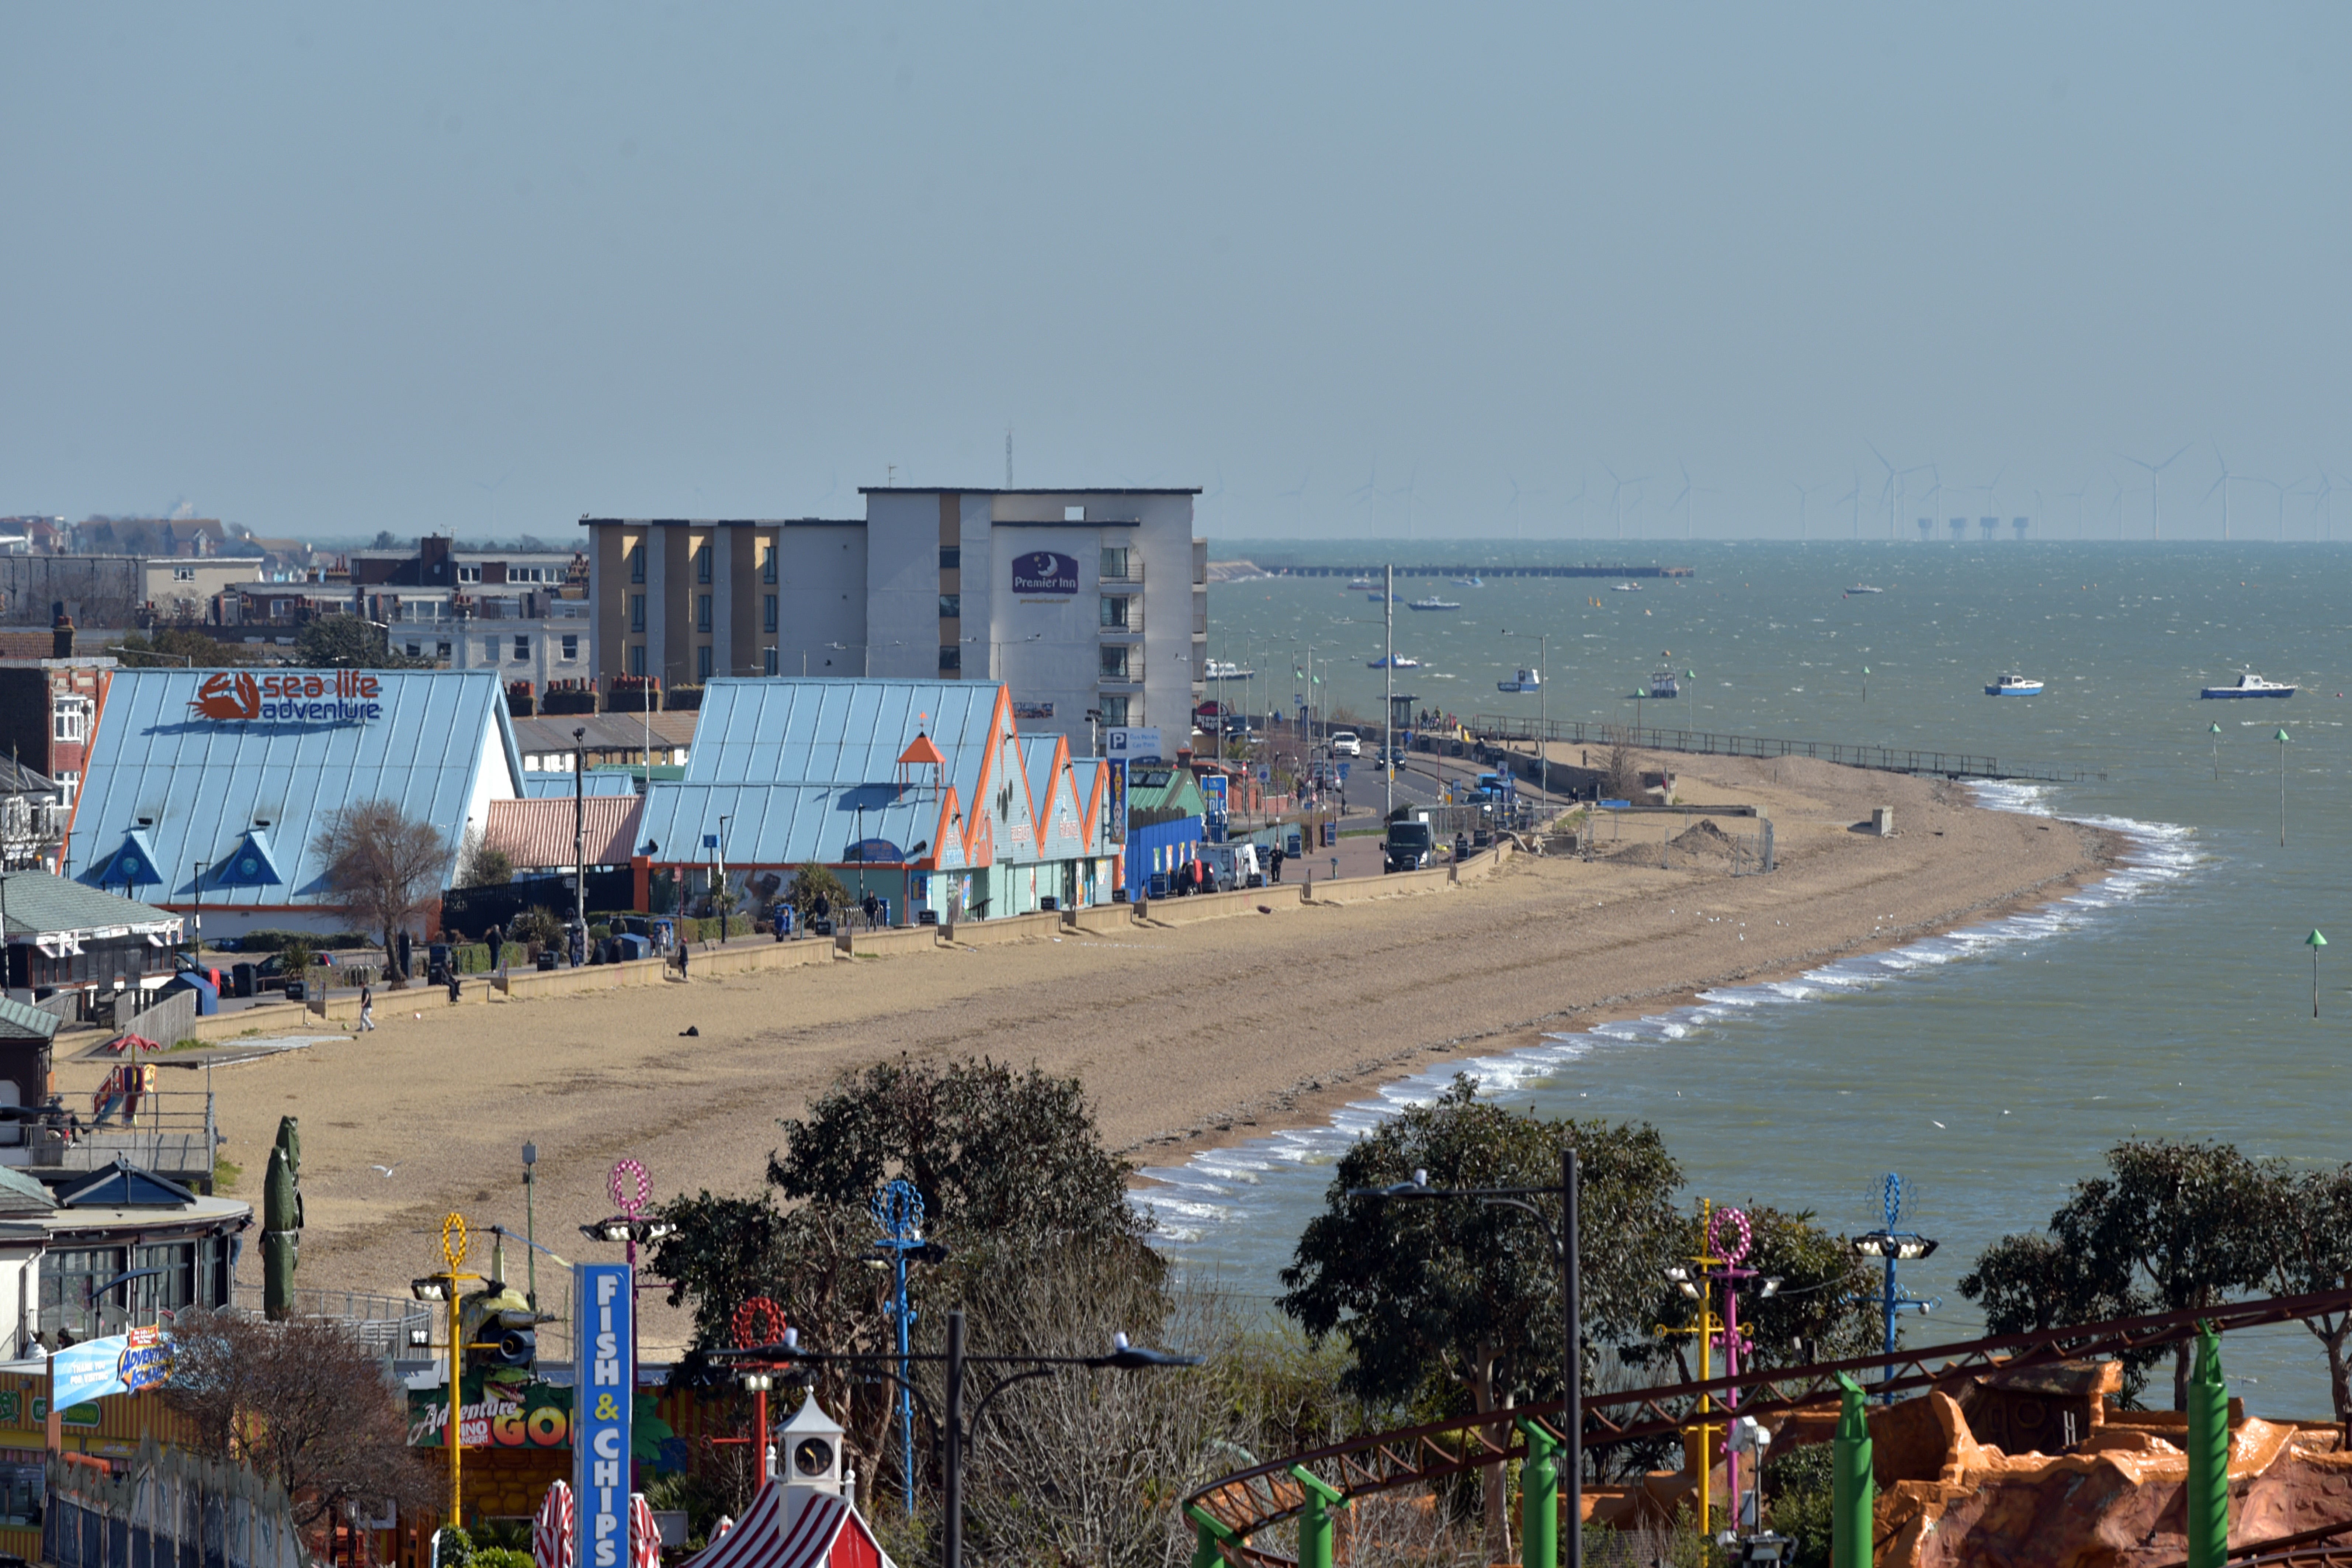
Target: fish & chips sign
328 697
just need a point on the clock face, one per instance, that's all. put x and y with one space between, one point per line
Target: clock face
812 1457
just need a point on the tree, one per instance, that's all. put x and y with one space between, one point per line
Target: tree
304 1403
173 648
2306 1242
481 864
347 642
1461 1294
810 882
2171 1227
384 867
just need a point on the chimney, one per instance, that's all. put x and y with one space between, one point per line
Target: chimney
61 631
432 557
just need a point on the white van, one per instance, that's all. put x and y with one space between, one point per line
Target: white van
1235 865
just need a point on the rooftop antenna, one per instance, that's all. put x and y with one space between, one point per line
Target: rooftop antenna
2155 475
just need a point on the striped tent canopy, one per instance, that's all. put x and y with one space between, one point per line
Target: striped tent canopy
808 1530
551 1532
645 1533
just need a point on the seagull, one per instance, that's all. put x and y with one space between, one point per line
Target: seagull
384 1171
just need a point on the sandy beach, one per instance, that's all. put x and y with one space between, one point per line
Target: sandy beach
1182 1035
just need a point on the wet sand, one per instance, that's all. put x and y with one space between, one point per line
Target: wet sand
1183 1036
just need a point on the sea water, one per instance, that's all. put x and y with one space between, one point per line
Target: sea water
1991 1065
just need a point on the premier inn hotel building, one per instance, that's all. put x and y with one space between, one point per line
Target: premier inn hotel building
1079 600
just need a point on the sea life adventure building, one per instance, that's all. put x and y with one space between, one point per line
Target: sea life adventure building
206 789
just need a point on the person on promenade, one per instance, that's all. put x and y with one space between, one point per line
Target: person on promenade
1273 865
498 940
681 961
367 1008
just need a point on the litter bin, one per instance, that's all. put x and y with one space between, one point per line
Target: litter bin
1291 844
547 958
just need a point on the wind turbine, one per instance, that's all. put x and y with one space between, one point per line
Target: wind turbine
2223 484
2076 497
1405 490
1854 495
1617 495
1686 500
1370 491
1804 493
1893 490
2319 502
1578 498
1988 523
2258 479
2155 476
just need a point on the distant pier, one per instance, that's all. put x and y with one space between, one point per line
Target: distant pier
1483 571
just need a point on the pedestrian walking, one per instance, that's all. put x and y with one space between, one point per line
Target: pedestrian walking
681 961
367 1008
498 940
869 910
1273 865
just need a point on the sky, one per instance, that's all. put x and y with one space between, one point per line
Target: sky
1359 270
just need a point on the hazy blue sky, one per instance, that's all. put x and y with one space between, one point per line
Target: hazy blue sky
327 269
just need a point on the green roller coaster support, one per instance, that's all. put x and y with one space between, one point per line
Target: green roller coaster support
2209 1456
1540 1500
1211 1532
1315 1523
1852 1486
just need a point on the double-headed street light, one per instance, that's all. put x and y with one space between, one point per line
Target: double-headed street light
956 1432
1892 1246
1566 1248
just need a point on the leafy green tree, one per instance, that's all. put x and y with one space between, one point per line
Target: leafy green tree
1456 1294
2306 1241
811 882
2171 1227
347 642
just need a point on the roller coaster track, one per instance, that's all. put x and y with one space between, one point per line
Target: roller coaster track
1248 1502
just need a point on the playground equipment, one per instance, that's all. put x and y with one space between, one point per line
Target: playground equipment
1228 1511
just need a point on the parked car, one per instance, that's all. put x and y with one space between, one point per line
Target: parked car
1407 846
1344 743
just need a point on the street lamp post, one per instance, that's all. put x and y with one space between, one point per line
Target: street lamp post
580 840
1567 1248
956 1430
898 1210
2314 942
531 1219
444 1287
2217 753
633 1192
2282 738
1895 1247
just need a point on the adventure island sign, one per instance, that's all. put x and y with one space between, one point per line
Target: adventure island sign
330 697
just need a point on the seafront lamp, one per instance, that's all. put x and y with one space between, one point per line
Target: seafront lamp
2314 942
2282 738
2217 753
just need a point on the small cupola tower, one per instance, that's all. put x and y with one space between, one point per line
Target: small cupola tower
808 1451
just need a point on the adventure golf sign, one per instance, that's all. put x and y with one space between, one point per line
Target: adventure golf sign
326 697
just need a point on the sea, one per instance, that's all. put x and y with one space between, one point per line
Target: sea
1989 1067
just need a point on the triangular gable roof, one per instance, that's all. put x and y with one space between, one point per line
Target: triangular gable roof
23 1021
20 1193
795 1528
130 864
1060 833
1089 776
124 1185
250 864
54 912
919 751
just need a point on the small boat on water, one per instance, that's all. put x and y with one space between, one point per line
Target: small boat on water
1222 669
1402 661
2014 686
1434 602
1526 680
2249 684
1863 588
1468 582
1625 587
1363 583
1663 684
1375 599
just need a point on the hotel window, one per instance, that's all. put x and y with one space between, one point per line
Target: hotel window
570 647
415 650
636 612
951 557
1113 706
951 607
638 659
702 564
772 661
490 649
522 649
767 563
1114 661
469 573
951 659
702 612
768 613
702 662
1114 562
1114 610
637 563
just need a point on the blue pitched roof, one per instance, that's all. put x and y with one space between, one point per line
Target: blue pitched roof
201 784
791 825
837 731
542 785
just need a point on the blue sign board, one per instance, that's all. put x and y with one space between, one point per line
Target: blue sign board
1614 804
1343 771
603 1324
116 1364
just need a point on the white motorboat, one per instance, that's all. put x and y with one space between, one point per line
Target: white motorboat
1402 661
2249 684
1222 669
1526 680
1663 684
1626 587
1468 582
1865 588
2014 686
1434 603
1362 584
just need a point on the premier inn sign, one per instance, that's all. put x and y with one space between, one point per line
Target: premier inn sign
1044 571
328 697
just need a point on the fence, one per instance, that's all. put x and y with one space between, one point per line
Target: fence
169 1510
381 1323
1885 759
